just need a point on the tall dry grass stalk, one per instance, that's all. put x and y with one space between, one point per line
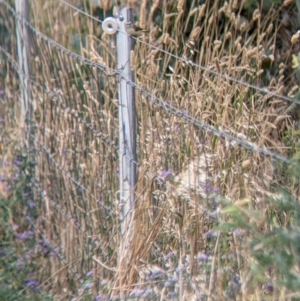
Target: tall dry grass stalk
184 171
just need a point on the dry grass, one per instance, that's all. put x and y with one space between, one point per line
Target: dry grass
176 249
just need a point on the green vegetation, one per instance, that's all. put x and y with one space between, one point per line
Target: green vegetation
213 220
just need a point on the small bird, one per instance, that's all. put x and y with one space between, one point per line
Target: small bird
134 30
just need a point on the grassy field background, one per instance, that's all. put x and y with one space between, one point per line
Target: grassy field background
214 218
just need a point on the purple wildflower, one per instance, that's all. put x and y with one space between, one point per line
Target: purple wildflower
29 255
147 292
103 282
202 257
239 232
25 235
17 162
56 252
44 247
20 263
88 285
268 288
31 204
90 273
32 284
168 284
16 177
137 293
156 273
211 234
208 188
174 277
167 174
216 191
170 255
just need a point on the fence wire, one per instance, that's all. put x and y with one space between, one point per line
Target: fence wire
186 173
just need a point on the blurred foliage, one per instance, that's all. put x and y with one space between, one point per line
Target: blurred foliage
18 241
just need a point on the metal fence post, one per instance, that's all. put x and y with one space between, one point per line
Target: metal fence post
127 123
127 138
22 9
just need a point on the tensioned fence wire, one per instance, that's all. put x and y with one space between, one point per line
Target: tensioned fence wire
186 61
177 140
75 168
65 149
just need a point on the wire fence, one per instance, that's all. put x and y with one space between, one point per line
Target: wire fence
201 139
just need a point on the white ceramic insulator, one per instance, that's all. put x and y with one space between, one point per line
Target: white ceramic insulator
110 25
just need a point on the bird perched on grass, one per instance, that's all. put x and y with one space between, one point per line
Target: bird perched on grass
134 30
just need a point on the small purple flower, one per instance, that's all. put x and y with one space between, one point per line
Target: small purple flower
170 255
16 178
147 292
202 257
167 174
103 282
8 187
44 247
99 298
174 277
137 293
239 232
29 255
64 152
268 288
45 242
20 263
25 235
156 273
2 178
55 252
1 92
17 162
31 204
168 284
32 284
211 234
184 112
88 285
208 188
216 191
90 273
